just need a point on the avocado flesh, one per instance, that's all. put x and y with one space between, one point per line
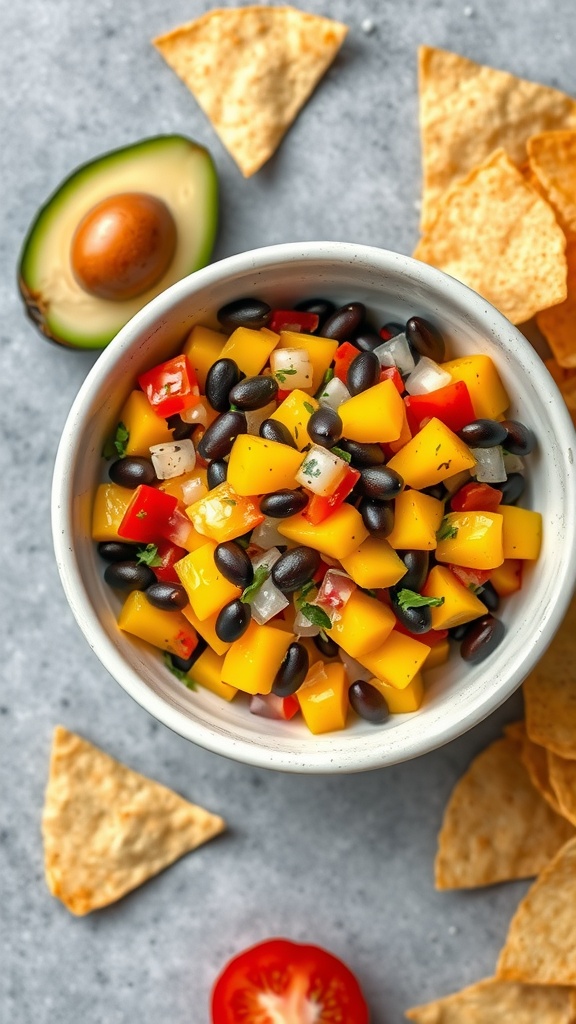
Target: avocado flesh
171 167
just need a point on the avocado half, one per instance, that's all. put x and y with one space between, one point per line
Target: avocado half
170 167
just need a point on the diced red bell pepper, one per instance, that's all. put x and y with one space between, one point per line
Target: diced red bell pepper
475 497
319 508
270 706
168 553
470 578
293 320
392 373
148 514
431 638
390 331
171 387
281 394
451 404
343 356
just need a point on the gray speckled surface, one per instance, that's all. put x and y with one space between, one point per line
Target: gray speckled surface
345 862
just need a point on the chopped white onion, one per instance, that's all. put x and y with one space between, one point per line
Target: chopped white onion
303 626
334 393
255 417
268 602
354 670
179 529
513 463
321 471
426 376
173 458
292 368
336 590
396 352
198 413
267 558
489 468
268 705
266 535
193 490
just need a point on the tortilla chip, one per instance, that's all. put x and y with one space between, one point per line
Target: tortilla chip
541 944
550 692
563 781
535 761
468 110
558 324
498 1002
251 70
496 234
566 382
552 158
496 826
107 829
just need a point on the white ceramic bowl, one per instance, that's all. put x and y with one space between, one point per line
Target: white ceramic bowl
393 287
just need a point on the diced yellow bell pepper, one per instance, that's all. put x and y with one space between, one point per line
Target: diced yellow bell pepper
208 591
397 660
405 435
252 662
169 631
203 347
374 564
250 349
486 390
460 604
417 518
323 697
376 414
433 454
206 628
294 412
521 532
476 542
144 426
175 483
258 466
337 536
207 670
439 655
507 578
363 625
402 701
320 352
223 514
110 504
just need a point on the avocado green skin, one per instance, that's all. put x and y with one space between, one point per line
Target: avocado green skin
50 209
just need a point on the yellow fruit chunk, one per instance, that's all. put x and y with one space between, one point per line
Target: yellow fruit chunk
376 414
374 564
337 536
206 628
144 426
169 631
223 514
294 412
258 466
253 661
249 349
203 347
397 660
521 532
439 655
208 591
363 625
207 670
486 390
433 454
460 604
476 542
507 578
320 352
110 504
405 435
417 518
401 701
323 697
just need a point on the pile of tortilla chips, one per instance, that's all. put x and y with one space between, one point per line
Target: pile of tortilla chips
499 195
513 815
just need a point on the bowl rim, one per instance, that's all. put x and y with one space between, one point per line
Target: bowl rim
248 751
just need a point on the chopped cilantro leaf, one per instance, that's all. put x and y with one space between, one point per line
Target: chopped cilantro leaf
342 454
446 531
282 374
311 468
309 407
182 676
115 447
300 597
229 501
328 376
410 599
148 556
316 615
141 514
261 574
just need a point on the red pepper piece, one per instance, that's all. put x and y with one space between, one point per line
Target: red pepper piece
431 638
147 515
451 404
470 578
293 320
319 508
171 387
168 553
392 373
281 395
343 356
188 641
475 497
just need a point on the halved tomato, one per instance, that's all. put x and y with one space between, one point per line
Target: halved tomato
282 982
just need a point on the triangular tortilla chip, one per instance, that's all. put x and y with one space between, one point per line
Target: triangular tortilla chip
552 158
563 780
496 234
540 947
535 760
467 110
251 70
107 829
550 692
498 1002
566 381
496 826
558 324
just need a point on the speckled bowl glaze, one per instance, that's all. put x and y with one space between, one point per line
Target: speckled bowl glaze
393 287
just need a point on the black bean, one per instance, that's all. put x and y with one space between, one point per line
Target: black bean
325 427
284 503
132 471
253 392
377 516
234 564
483 434
116 551
273 430
481 639
490 597
344 322
328 648
363 373
295 568
520 440
322 307
180 429
368 702
379 482
367 339
416 620
417 564
221 434
425 338
244 313
362 455
292 671
233 621
216 473
221 378
169 597
129 576
185 664
512 488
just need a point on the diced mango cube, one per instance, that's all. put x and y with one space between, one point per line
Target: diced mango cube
145 427
439 655
258 466
397 660
249 349
252 662
507 578
207 670
320 352
521 532
374 564
208 591
203 347
376 414
294 412
405 434
223 514
487 392
323 697
363 625
472 539
337 536
169 631
206 628
402 701
417 518
460 604
433 454
110 504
